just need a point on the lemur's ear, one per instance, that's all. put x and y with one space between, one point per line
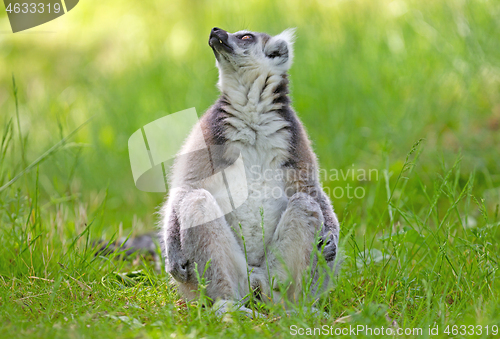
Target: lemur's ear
280 48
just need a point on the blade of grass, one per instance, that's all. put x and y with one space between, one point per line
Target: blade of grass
44 156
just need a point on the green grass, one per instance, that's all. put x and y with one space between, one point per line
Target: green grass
370 79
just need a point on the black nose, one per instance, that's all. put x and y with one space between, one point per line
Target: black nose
219 34
217 29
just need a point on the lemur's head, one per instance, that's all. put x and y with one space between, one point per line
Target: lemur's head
245 53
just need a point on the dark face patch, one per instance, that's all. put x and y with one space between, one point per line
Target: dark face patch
246 48
219 41
222 41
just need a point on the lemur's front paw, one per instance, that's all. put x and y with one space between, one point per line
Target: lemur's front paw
257 277
330 249
178 268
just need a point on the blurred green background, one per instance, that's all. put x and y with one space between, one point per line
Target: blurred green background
370 78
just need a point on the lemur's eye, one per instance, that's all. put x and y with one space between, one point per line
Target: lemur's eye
246 37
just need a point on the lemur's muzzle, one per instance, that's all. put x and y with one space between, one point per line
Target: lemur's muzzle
219 39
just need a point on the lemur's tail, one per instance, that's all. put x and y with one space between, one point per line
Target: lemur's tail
145 244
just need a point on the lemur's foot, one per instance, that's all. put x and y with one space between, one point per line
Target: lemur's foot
310 310
222 307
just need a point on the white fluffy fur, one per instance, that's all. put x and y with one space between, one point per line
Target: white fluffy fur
254 132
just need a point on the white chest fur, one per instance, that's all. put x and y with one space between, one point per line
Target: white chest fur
264 147
255 127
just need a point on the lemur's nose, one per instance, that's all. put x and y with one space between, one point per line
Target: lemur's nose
219 34
216 31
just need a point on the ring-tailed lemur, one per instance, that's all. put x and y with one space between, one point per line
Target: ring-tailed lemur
252 118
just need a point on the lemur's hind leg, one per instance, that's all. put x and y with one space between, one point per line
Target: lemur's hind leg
195 234
289 253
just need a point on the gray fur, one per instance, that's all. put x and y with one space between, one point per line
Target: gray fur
252 118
